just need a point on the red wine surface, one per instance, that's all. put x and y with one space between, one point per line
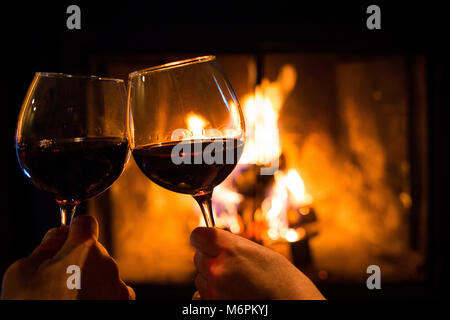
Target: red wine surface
74 169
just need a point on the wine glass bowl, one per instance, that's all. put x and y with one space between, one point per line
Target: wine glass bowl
187 127
71 137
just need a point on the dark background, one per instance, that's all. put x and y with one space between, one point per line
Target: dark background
34 38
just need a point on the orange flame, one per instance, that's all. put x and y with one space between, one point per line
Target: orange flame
196 125
288 189
261 112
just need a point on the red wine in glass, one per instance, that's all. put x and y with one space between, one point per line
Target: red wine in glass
189 177
75 169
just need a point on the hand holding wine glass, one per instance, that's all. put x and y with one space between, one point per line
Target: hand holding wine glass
187 127
71 137
43 274
234 268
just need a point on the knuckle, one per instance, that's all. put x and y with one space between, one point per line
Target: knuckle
94 246
16 267
22 262
221 279
91 244
123 292
215 270
213 273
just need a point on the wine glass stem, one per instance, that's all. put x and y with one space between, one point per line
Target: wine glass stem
67 211
205 204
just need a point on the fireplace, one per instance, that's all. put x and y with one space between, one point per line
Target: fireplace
363 162
350 185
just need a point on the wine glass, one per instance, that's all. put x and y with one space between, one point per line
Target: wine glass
187 128
71 138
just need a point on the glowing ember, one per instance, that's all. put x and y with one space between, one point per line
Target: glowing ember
287 190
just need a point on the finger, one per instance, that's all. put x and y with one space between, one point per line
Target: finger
103 250
83 227
205 240
52 242
202 286
131 293
203 263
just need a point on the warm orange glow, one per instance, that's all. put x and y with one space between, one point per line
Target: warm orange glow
230 200
261 112
262 130
344 182
304 211
296 187
277 203
291 235
235 128
406 200
274 207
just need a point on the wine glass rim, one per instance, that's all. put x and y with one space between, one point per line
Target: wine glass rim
173 64
66 75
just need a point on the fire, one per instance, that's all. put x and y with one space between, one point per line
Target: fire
291 235
261 119
288 189
224 195
296 187
275 208
261 112
230 200
196 125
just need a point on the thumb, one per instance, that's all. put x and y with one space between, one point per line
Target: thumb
211 241
83 228
51 243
